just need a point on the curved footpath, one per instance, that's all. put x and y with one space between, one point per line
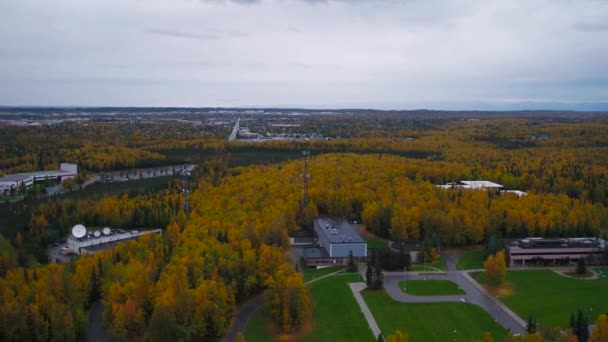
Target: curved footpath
245 312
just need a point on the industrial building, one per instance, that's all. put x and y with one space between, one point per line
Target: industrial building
83 242
336 239
480 185
566 250
10 184
475 185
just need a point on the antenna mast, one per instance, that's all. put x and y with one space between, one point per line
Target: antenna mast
305 176
186 173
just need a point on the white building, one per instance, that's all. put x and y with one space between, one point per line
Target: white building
11 183
474 185
96 240
517 193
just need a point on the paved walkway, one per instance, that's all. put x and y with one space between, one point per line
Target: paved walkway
327 275
242 316
356 288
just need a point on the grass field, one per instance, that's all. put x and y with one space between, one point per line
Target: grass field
431 321
375 243
551 298
310 273
336 315
430 287
438 264
472 259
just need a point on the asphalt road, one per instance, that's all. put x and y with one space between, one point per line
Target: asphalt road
474 294
242 317
96 331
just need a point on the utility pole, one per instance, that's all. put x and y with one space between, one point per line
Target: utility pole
305 176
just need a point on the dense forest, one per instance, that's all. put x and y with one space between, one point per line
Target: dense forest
234 241
186 284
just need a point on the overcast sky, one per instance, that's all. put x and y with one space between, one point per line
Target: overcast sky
374 54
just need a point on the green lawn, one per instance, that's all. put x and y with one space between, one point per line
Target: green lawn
437 264
311 273
431 321
336 314
430 287
472 259
551 298
376 243
257 329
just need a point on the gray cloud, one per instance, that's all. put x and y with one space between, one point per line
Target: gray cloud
187 35
305 52
592 26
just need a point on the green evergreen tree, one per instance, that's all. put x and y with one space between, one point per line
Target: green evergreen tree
581 268
531 327
351 262
369 273
581 330
378 275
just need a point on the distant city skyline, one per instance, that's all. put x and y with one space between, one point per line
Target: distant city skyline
443 55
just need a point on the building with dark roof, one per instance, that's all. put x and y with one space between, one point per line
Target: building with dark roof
555 250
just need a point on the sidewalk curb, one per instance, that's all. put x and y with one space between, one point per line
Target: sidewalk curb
513 315
356 288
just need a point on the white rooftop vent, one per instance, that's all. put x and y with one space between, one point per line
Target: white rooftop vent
107 231
97 233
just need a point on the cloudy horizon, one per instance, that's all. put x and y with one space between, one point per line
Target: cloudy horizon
316 54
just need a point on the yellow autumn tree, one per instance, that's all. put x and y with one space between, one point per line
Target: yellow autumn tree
496 269
398 336
600 331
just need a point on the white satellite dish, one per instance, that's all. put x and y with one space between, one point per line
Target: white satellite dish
97 233
79 231
106 231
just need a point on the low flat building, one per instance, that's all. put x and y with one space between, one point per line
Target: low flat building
336 239
560 250
95 241
9 184
517 193
475 185
301 238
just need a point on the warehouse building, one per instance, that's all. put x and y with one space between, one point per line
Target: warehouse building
10 184
336 239
88 242
561 250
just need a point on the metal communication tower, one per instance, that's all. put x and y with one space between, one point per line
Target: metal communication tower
305 176
185 190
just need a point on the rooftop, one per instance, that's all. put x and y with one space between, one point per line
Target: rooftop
480 184
26 175
310 253
338 230
535 242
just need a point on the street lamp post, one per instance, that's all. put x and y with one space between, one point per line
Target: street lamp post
404 274
424 267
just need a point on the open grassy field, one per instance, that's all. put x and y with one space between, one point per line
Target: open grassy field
551 298
336 315
438 264
375 243
431 321
432 287
472 259
311 273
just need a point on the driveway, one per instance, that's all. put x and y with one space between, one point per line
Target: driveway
475 294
